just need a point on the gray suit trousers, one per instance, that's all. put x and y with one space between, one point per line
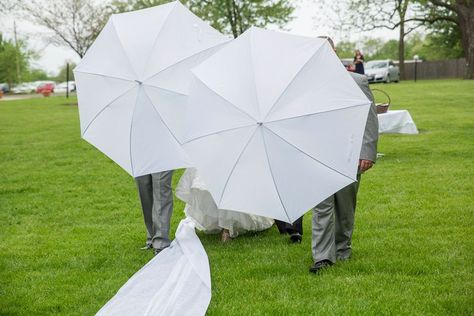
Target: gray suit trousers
333 224
156 197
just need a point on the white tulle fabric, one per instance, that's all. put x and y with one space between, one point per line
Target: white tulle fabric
175 282
202 210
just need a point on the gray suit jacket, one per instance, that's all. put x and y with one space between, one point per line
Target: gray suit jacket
371 134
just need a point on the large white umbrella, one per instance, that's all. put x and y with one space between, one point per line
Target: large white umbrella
276 124
133 81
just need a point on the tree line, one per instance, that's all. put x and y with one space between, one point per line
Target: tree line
449 23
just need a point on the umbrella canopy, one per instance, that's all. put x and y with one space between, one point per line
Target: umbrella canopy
133 82
275 124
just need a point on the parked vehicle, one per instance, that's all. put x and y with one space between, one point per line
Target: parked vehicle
4 87
63 86
382 71
25 87
46 86
348 64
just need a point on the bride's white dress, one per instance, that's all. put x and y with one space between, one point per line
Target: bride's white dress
203 211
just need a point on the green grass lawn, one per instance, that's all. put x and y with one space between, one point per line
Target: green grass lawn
71 224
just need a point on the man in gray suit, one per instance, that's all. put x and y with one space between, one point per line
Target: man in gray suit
333 218
156 197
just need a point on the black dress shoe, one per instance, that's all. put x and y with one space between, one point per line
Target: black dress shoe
296 238
320 265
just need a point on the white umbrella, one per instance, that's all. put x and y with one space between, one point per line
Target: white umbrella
133 81
276 124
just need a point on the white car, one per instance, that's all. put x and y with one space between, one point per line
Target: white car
25 87
63 86
382 71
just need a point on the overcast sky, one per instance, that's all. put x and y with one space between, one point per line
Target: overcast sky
51 57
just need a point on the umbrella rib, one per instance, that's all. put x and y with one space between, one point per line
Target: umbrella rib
273 177
254 75
164 89
291 81
213 133
182 60
158 35
320 112
318 161
223 98
102 75
161 118
235 165
123 48
103 109
130 135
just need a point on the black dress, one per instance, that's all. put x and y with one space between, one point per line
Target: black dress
359 67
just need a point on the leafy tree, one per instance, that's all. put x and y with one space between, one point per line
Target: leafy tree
345 49
388 50
7 5
35 75
367 15
9 54
451 17
371 46
62 76
228 16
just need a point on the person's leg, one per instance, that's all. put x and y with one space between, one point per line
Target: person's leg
345 201
145 192
295 230
281 226
162 208
323 242
297 226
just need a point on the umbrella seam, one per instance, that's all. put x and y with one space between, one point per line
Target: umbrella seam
235 164
184 59
273 178
223 98
131 128
104 108
253 73
103 75
164 89
158 35
161 118
311 157
315 113
213 133
291 81
123 48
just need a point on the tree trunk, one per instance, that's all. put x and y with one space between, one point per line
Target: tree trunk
465 11
401 51
231 17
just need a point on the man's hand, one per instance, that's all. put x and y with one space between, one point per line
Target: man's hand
365 165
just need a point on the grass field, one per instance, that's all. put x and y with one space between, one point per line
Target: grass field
71 225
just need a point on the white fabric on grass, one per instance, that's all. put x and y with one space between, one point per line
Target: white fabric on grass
177 281
396 122
202 209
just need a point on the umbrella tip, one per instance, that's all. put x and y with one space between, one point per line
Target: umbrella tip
139 82
259 123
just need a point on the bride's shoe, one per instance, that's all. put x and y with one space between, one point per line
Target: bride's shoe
225 236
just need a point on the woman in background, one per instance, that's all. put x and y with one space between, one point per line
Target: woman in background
359 62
